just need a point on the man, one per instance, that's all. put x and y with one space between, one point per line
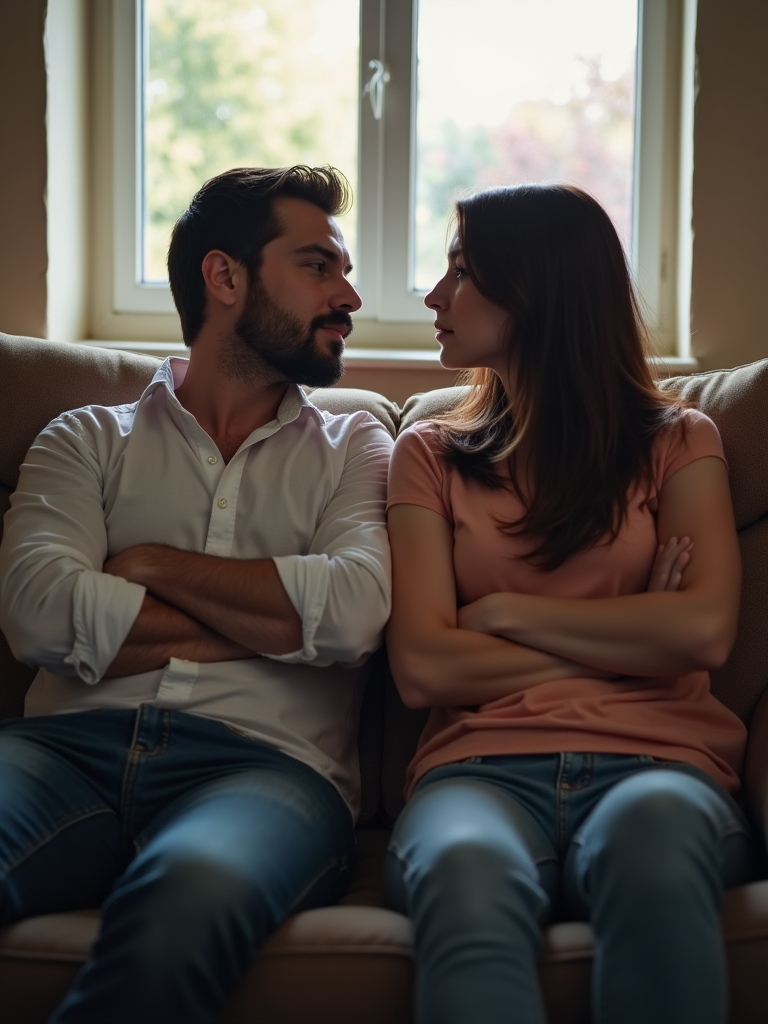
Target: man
197 576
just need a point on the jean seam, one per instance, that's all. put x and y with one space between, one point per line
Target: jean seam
561 806
73 819
339 862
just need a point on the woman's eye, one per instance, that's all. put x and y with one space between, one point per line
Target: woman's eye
458 270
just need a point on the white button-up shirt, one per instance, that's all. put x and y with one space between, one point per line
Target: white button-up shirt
307 490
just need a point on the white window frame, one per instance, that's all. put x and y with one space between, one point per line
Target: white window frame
386 169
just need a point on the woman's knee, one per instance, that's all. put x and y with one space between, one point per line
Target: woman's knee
472 887
657 841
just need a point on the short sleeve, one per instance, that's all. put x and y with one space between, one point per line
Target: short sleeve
699 439
416 474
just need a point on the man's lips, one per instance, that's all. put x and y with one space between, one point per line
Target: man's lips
339 334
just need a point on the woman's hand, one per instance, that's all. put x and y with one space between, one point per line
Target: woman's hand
669 564
492 614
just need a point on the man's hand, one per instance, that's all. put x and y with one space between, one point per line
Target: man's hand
135 564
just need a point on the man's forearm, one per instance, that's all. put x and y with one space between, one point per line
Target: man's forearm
242 600
161 632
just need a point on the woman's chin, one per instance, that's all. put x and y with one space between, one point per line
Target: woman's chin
450 362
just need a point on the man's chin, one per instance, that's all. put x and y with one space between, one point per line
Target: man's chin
325 375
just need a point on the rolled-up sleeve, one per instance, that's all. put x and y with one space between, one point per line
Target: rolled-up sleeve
342 587
57 609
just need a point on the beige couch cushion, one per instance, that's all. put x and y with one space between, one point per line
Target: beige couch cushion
353 962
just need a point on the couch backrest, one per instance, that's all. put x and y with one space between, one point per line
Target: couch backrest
40 379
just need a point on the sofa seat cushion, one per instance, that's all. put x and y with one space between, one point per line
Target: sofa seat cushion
352 963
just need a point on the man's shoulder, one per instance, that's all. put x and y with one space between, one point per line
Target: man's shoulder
91 423
360 424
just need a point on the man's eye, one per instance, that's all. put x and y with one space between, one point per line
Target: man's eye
318 265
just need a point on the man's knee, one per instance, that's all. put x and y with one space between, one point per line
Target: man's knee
187 904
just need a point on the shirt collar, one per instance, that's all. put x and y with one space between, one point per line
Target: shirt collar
171 372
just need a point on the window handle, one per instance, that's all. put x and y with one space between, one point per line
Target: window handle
374 88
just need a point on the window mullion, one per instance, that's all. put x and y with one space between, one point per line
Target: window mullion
398 301
369 190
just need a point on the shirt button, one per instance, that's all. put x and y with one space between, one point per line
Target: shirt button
222 502
212 459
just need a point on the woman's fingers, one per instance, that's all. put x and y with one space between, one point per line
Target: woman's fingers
669 564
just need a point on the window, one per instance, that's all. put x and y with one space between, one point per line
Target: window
416 101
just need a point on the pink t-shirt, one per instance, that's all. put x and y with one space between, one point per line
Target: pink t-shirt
674 719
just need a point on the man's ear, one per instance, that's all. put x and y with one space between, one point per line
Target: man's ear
225 279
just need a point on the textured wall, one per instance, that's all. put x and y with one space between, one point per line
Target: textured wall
730 184
23 168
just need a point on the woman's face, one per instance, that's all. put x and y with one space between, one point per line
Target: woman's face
470 328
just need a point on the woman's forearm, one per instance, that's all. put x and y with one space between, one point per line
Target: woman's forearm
653 634
461 667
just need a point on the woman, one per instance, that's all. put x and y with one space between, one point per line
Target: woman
566 573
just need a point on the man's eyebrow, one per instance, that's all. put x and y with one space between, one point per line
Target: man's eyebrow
330 254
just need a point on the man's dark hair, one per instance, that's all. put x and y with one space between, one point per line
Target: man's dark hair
234 212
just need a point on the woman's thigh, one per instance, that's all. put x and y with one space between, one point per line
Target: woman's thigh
653 824
648 866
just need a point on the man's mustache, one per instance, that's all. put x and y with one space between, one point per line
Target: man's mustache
336 319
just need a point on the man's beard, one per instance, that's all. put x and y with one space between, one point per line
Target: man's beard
270 344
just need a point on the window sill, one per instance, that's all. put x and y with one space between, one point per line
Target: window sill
365 358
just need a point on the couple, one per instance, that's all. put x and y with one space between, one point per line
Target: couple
199 574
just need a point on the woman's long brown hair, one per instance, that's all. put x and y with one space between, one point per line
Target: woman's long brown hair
584 405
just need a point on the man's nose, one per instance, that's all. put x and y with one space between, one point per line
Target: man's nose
347 298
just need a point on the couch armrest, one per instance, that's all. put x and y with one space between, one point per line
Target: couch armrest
756 768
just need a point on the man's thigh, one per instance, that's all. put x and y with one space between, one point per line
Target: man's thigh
60 842
281 834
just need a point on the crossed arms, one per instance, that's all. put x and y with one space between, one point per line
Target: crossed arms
442 656
202 608
69 608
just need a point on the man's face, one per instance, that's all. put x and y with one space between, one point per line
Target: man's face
297 312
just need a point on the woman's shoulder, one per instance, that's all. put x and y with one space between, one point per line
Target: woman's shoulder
417 470
687 425
690 435
424 433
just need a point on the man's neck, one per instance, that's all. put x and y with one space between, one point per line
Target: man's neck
227 407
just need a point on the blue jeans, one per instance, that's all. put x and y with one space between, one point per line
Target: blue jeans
488 851
198 842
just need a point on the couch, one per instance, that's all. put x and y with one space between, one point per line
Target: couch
351 963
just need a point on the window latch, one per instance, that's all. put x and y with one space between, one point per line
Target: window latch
374 88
